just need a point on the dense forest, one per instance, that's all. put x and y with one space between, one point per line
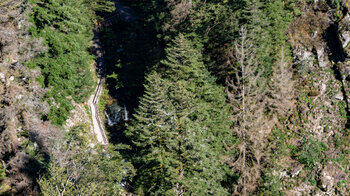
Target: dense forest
174 97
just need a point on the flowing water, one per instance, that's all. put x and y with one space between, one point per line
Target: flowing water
116 114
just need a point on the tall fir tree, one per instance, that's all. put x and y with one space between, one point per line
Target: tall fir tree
152 130
180 127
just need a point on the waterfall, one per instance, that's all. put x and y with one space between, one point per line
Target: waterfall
110 122
115 114
125 113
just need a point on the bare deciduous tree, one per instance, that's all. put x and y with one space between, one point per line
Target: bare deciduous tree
69 166
281 91
245 90
255 106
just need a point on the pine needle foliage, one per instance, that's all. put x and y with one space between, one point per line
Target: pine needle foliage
66 27
180 127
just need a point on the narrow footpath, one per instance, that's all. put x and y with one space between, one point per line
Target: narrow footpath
126 14
99 128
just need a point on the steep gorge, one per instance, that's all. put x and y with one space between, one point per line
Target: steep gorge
289 136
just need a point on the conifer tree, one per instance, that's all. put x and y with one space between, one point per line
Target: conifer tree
151 133
205 99
266 22
187 143
66 27
185 68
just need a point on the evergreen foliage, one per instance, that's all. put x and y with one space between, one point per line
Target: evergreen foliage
213 27
66 27
189 135
152 134
206 21
267 22
180 127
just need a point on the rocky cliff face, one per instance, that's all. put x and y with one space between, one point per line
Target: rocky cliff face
316 135
23 134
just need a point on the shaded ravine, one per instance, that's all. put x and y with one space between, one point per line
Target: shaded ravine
121 13
98 126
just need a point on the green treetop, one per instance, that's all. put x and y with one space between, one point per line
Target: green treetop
178 125
66 28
